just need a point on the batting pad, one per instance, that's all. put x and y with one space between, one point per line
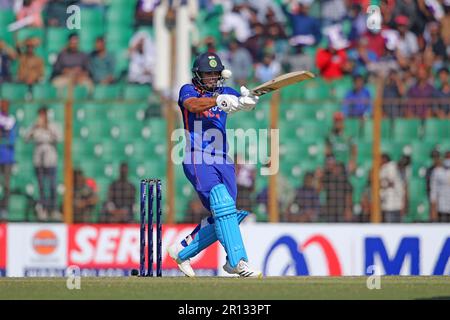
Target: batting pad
226 224
205 237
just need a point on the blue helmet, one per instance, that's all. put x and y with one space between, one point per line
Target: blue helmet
207 62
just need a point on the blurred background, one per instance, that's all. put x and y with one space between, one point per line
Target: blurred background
83 117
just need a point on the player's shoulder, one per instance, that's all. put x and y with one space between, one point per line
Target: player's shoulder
229 90
187 87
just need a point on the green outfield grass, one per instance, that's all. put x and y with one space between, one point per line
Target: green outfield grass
211 288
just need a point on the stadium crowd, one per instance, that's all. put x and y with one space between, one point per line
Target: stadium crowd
258 40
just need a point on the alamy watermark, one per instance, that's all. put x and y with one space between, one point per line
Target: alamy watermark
73 274
213 146
374 280
374 18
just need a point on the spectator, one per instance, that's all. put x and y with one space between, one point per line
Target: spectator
245 180
436 163
366 202
338 192
297 59
358 20
142 58
7 54
145 10
196 211
419 105
305 29
8 134
31 67
32 10
268 69
45 135
407 44
392 191
84 198
440 192
357 102
375 42
435 44
72 65
443 94
285 193
121 197
306 204
275 31
101 63
362 58
234 22
445 24
414 13
332 11
332 61
264 8
56 14
394 90
339 145
239 62
255 42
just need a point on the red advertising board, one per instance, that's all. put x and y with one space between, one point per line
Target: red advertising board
2 247
117 246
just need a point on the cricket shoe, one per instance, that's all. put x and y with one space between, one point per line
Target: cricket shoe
183 265
243 270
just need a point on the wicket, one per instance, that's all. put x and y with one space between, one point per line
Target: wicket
148 185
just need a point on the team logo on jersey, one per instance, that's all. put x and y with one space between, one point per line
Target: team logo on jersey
213 63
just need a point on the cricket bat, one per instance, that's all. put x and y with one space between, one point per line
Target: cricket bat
281 81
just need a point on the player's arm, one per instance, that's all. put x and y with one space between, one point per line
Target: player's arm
196 105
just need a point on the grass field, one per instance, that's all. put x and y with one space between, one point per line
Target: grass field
206 288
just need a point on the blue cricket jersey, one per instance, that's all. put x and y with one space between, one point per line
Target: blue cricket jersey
213 118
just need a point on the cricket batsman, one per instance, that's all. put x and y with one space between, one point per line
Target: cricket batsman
205 104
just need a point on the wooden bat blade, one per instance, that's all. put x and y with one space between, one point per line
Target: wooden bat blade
281 81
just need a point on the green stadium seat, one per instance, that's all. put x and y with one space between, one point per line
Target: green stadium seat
26 33
6 17
121 61
14 91
156 128
420 151
119 15
364 151
359 184
56 112
19 207
92 167
290 93
418 210
110 150
385 130
127 131
57 39
87 39
44 91
394 149
342 87
136 92
7 37
79 93
82 149
310 130
406 130
91 109
106 92
436 130
299 112
91 17
93 130
316 90
352 127
26 114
